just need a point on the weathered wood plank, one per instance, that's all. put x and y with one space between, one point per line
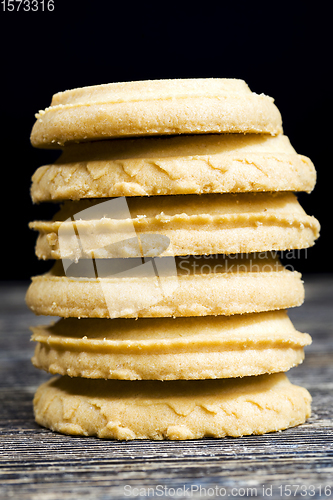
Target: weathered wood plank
38 464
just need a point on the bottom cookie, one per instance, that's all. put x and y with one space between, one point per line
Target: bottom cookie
177 410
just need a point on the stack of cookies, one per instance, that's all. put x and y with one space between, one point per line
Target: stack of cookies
176 198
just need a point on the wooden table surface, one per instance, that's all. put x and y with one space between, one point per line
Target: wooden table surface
39 464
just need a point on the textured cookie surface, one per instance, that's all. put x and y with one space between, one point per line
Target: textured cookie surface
176 225
194 164
158 107
186 286
177 410
170 348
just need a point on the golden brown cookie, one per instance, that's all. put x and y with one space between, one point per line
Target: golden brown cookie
170 348
154 107
197 164
178 410
189 286
176 225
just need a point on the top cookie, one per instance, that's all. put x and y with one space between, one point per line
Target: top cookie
154 107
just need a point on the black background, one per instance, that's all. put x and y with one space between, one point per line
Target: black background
281 49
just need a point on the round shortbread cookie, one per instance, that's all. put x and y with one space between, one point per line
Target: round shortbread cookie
176 225
170 348
198 164
154 107
201 286
177 410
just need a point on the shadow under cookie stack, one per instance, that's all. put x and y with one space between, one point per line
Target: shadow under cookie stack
176 198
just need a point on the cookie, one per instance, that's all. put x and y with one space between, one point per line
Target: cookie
190 286
170 348
197 164
176 410
176 225
156 107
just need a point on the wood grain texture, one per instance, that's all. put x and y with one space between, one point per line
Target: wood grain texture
38 464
